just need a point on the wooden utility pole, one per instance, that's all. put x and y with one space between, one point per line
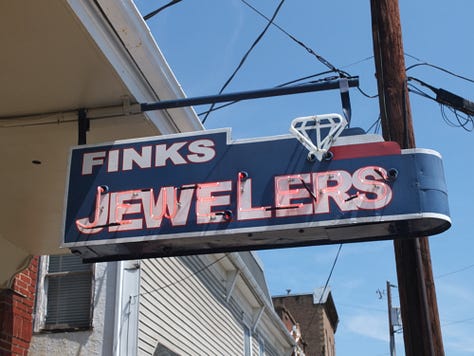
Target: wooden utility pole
421 328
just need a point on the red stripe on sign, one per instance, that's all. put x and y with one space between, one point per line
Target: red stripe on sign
365 150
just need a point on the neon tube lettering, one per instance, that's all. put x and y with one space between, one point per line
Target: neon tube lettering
332 185
85 226
366 180
245 211
205 201
119 208
285 194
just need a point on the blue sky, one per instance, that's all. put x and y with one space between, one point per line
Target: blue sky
203 41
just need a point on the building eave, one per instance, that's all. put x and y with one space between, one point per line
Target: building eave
62 56
141 46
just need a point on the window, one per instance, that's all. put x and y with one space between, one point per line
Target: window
162 350
64 301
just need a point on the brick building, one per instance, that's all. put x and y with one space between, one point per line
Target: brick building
314 317
16 312
294 328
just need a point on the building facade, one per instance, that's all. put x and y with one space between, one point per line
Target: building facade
317 319
77 70
192 305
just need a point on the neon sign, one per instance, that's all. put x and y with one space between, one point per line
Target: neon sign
203 193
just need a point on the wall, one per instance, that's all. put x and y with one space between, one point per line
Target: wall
200 305
98 341
187 315
314 323
16 312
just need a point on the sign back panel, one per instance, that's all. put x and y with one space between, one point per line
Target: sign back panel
203 193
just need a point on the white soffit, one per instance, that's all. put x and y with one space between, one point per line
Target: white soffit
140 43
59 56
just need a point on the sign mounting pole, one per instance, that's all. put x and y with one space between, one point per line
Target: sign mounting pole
421 331
251 94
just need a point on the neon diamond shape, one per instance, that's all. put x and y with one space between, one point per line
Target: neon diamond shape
317 133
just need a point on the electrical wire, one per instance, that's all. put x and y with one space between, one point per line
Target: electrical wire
361 307
441 69
458 321
358 62
413 57
367 95
380 76
455 271
325 286
320 58
277 86
375 126
270 21
330 273
464 121
414 89
244 58
307 48
155 12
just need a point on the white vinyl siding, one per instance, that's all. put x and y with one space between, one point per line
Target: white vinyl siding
183 305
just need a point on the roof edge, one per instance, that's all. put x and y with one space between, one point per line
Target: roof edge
107 22
136 37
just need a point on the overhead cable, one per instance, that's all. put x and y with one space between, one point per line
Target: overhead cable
455 103
277 86
325 286
320 58
155 12
307 48
242 61
441 69
330 273
455 271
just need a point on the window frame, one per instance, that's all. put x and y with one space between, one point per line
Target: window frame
248 339
41 303
261 346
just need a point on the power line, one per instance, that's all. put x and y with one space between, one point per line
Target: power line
330 273
325 285
244 58
375 126
441 69
413 57
458 321
307 48
455 271
367 95
358 62
452 102
155 12
463 121
414 89
312 52
361 307
277 86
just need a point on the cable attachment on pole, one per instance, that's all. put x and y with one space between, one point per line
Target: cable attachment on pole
447 98
318 133
345 99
